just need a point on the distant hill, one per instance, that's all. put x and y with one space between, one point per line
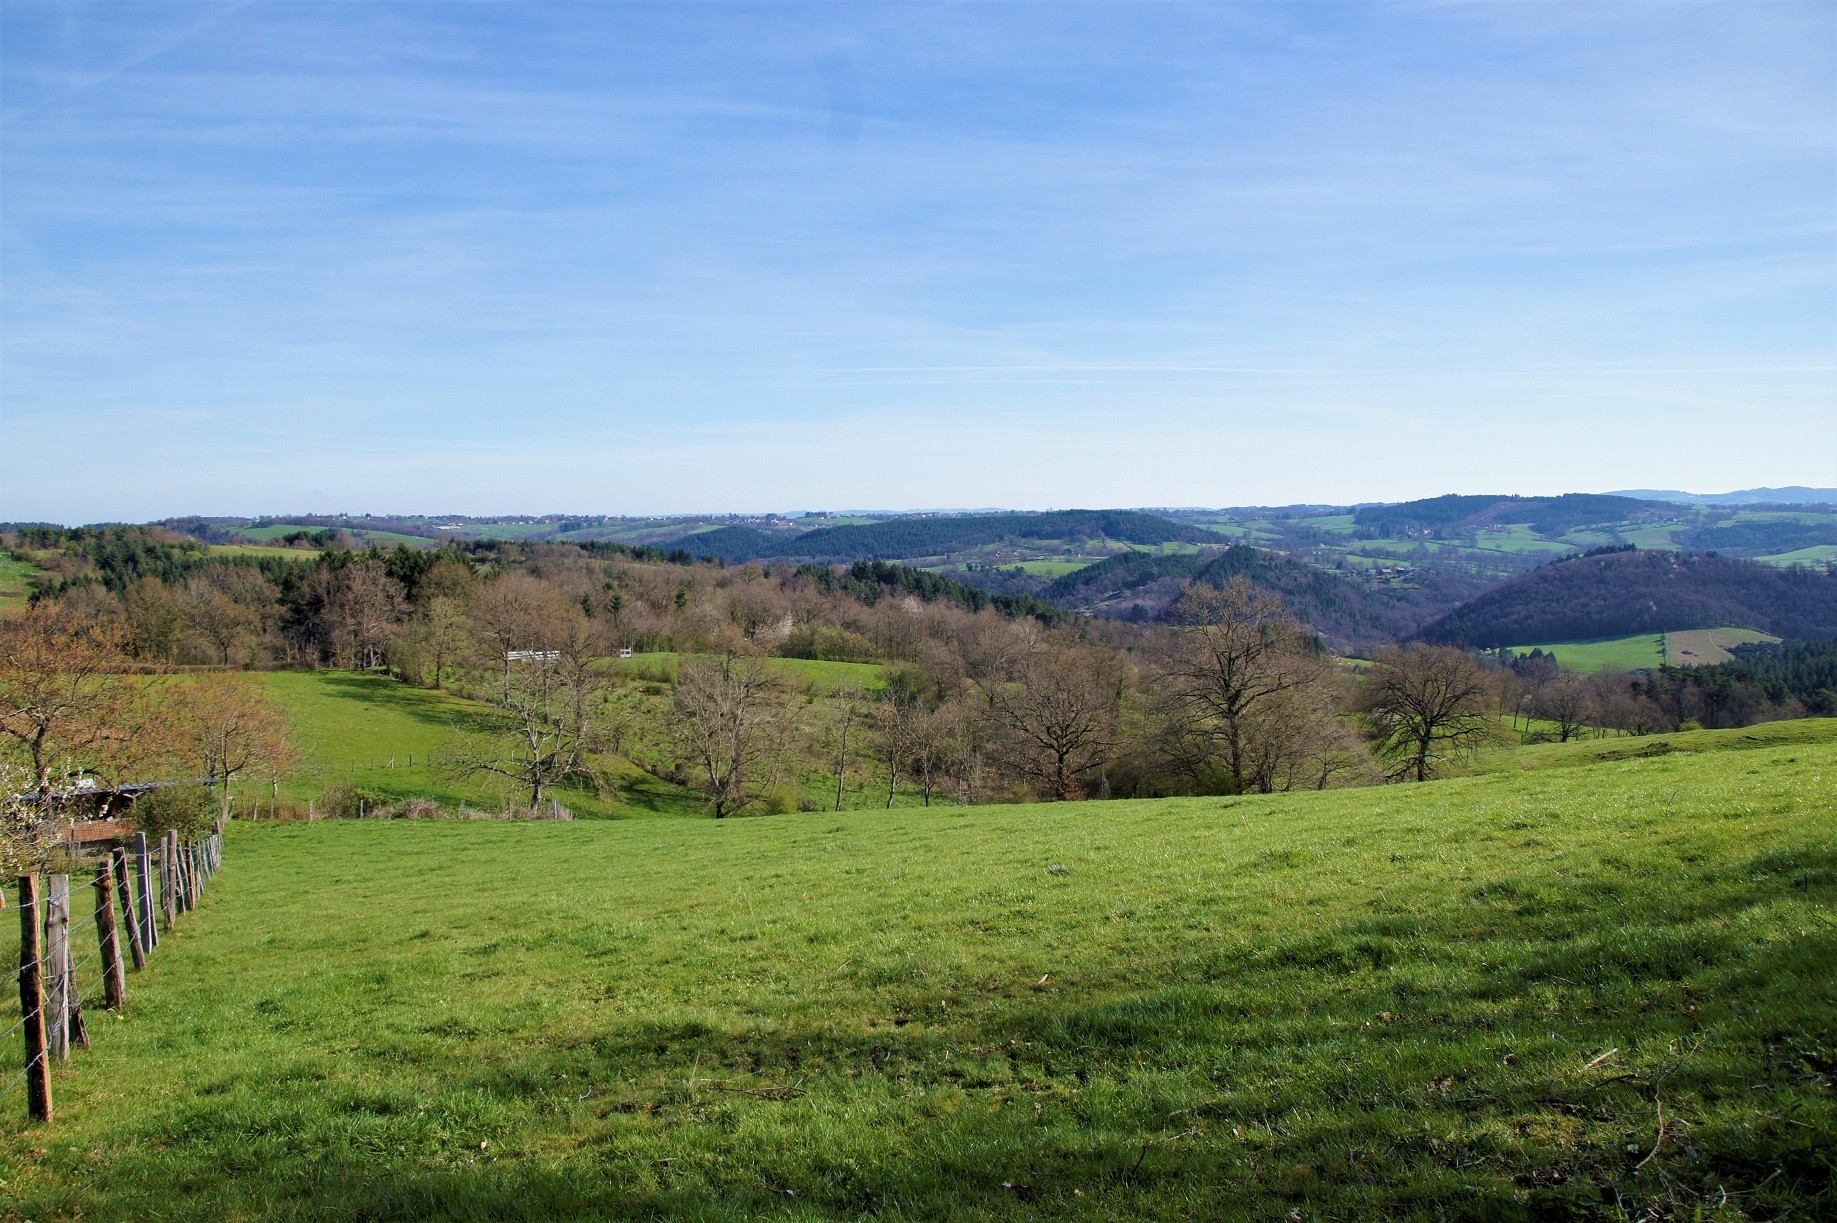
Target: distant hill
903 538
1637 592
1546 515
1792 494
1350 616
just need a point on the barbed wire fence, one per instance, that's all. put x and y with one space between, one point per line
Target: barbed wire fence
139 889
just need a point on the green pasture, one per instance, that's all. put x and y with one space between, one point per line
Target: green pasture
1592 992
15 575
1640 651
1802 732
1817 554
361 534
1053 568
365 730
261 550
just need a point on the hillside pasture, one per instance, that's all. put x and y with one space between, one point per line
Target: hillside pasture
382 737
1707 647
1598 992
15 588
1640 651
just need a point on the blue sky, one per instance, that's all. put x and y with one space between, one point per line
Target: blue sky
480 258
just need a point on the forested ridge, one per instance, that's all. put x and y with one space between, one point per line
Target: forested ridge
912 537
1619 593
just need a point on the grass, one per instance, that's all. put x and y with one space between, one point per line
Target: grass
261 550
371 732
1646 651
1707 647
1488 998
1817 554
1641 651
1800 732
361 534
14 591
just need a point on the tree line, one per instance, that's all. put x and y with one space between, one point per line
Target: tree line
972 700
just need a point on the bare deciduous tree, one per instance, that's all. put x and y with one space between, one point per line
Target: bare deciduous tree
1569 701
554 716
1054 708
1426 704
364 610
62 702
1242 678
728 719
229 727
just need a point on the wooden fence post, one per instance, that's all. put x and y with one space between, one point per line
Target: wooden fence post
143 872
193 885
118 860
57 967
31 978
169 878
32 1001
108 940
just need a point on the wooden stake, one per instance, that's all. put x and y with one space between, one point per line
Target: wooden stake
108 940
32 1001
143 874
169 878
118 859
57 967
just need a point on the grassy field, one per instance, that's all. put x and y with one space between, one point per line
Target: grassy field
381 538
1801 732
1707 647
1817 554
1644 651
370 732
1641 651
261 550
1591 992
13 589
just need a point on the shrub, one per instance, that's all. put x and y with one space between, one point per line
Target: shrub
185 809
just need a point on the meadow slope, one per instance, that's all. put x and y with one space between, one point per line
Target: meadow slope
1486 998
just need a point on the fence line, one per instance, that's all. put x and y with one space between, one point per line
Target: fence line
51 988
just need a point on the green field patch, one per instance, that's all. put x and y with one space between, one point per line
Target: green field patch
15 584
1817 554
1467 999
261 550
1637 652
382 737
1795 733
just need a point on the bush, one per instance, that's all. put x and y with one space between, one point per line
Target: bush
188 810
342 802
779 800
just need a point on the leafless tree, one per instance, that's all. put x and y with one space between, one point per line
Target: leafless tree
1053 707
364 610
64 704
228 727
1242 683
1569 701
518 612
1426 704
729 721
554 717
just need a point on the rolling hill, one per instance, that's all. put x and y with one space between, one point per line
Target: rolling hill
1620 593
906 538
1577 988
